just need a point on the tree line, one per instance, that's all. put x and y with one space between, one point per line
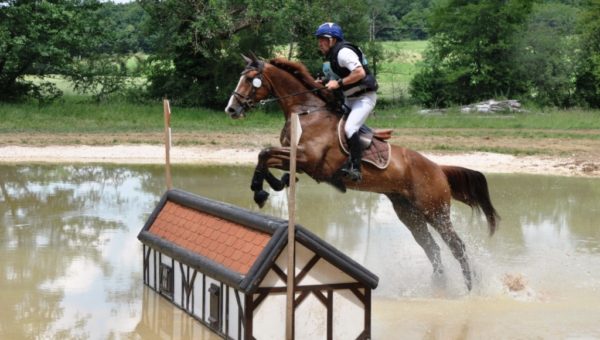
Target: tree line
545 52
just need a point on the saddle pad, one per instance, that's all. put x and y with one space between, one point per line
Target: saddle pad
378 153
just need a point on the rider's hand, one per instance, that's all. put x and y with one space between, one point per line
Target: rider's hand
332 85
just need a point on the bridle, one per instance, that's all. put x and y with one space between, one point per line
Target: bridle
248 102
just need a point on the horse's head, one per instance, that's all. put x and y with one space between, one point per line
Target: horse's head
250 89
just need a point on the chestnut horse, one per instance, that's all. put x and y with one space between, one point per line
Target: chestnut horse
419 189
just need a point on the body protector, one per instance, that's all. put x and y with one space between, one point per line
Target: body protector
333 70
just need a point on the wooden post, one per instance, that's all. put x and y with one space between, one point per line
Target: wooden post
167 118
291 265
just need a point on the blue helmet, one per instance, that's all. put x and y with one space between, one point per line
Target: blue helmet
330 30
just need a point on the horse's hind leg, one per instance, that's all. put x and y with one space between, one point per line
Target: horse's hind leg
444 227
415 222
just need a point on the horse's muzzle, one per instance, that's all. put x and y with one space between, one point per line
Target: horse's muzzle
235 112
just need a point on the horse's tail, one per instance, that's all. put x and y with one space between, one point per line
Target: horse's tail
470 187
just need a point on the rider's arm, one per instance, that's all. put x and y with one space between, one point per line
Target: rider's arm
355 76
349 60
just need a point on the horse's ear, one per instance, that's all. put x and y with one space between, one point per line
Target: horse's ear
246 59
253 56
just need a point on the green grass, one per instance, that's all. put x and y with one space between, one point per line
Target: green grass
535 119
398 67
77 114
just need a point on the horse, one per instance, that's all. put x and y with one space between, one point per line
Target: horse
419 189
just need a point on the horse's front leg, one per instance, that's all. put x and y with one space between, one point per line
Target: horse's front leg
271 158
256 185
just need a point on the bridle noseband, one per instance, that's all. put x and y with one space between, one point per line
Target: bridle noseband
249 101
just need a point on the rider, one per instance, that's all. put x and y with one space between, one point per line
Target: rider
346 68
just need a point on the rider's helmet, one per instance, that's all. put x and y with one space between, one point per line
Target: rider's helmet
330 30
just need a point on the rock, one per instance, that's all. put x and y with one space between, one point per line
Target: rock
493 106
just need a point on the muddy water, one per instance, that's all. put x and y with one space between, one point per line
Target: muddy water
70 263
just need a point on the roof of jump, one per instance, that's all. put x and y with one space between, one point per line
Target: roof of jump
231 244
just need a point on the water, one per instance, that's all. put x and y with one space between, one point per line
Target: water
70 262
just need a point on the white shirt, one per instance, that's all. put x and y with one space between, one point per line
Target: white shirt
348 59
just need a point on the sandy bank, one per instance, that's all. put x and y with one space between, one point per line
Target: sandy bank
155 154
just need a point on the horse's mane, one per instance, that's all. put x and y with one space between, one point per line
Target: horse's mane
300 72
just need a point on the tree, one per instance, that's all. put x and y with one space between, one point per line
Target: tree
42 37
471 52
126 20
548 54
198 44
588 71
413 24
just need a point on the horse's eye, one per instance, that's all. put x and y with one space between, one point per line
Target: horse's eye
256 82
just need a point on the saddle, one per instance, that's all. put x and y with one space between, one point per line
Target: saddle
376 150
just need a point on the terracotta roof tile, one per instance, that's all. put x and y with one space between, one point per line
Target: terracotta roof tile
232 245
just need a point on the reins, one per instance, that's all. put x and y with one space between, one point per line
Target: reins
274 99
266 101
246 101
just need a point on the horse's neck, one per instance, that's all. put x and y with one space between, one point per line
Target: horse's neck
286 86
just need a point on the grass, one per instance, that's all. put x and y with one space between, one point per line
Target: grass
77 114
74 114
398 67
549 120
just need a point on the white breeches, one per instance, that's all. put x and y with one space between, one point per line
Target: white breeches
360 107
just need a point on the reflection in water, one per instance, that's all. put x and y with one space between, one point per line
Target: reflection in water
69 256
70 262
160 320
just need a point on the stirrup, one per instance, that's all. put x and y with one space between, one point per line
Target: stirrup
353 173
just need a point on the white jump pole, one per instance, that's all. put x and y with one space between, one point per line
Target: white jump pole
296 131
167 118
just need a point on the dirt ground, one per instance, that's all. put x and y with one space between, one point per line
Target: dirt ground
552 156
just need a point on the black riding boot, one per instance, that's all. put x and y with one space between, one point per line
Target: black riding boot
352 169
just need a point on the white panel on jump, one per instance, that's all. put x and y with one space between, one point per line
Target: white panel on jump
322 273
281 260
269 318
303 255
273 280
311 320
325 273
166 260
198 293
232 331
348 315
177 285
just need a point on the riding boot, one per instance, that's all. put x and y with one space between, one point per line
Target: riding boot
352 169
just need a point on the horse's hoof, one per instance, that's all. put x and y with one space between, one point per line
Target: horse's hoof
260 197
439 280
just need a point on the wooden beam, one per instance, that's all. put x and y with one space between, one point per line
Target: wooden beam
309 265
167 119
291 263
